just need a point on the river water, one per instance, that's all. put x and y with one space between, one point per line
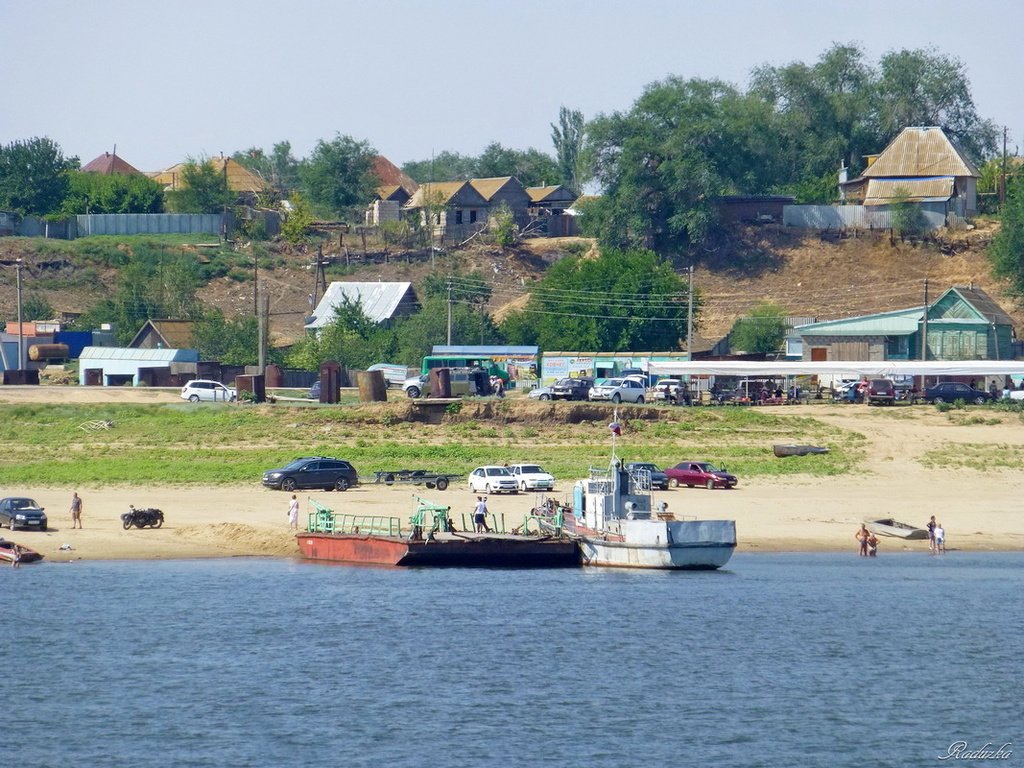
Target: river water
780 660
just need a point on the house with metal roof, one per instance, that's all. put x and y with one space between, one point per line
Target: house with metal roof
164 334
109 164
117 366
921 165
964 323
381 302
240 179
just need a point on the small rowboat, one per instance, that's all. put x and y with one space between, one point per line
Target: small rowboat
890 527
7 552
797 450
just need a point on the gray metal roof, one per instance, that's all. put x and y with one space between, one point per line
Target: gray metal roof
899 323
132 353
379 300
921 152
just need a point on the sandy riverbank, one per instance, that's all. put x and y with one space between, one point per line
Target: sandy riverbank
803 515
979 508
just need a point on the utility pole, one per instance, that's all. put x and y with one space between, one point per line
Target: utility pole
924 324
255 282
21 330
449 310
263 326
689 313
1002 181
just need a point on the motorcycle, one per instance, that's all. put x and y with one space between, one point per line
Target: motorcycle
140 518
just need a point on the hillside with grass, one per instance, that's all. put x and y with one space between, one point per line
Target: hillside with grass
807 273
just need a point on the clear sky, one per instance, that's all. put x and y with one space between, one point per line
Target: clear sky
170 79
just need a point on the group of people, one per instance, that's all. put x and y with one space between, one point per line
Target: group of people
936 537
868 542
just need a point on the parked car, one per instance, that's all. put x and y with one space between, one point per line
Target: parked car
532 477
205 389
881 392
325 472
540 393
21 512
672 391
951 391
619 390
693 473
659 479
572 388
492 479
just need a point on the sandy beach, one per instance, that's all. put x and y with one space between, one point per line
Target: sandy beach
978 507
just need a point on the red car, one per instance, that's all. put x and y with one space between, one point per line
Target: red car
692 473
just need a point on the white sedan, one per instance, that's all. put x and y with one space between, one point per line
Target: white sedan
532 477
492 480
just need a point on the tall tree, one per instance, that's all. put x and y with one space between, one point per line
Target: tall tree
762 331
34 176
113 193
1006 252
204 188
336 177
279 168
446 166
568 137
662 163
622 300
925 87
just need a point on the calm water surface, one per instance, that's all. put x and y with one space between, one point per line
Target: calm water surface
782 660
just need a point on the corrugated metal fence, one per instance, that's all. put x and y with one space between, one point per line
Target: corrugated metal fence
149 223
857 217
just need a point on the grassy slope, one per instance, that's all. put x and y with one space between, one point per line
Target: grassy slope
182 444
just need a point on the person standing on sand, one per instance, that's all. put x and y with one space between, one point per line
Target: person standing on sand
940 539
931 535
293 513
862 536
76 510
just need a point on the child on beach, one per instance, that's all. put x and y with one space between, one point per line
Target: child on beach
940 539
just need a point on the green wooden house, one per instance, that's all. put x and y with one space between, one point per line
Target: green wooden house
964 323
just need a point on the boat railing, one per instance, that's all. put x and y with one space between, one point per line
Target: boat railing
324 520
640 480
545 520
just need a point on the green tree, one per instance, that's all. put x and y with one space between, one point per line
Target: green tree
336 178
760 332
231 341
662 164
446 166
155 283
204 189
926 87
622 300
907 217
34 307
295 228
568 137
1006 253
280 169
34 176
114 193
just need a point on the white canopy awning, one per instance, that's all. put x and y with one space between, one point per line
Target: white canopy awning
869 368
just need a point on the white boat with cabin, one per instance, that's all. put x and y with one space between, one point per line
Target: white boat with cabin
616 527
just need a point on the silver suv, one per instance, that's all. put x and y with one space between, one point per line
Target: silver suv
627 390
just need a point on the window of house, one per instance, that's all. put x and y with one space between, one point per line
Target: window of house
458 216
897 347
472 217
437 218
